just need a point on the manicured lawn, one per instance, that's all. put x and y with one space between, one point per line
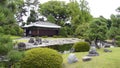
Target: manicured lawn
15 37
105 60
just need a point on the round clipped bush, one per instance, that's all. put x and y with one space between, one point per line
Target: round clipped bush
41 58
81 46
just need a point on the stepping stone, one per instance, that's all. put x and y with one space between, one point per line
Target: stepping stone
106 50
86 58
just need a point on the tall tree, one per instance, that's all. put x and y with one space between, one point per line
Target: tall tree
115 27
32 10
85 11
32 17
74 13
7 19
81 29
55 10
97 31
80 14
118 9
14 5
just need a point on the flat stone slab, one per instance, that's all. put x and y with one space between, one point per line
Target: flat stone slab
107 50
86 58
91 55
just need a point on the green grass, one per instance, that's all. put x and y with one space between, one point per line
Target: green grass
105 60
15 37
23 40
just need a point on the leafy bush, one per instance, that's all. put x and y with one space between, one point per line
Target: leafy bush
5 39
63 32
14 56
5 44
41 58
81 46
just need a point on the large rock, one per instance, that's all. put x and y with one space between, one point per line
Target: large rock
36 43
31 40
72 50
39 40
21 46
93 52
86 58
72 58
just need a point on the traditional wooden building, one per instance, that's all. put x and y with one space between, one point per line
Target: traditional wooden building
41 28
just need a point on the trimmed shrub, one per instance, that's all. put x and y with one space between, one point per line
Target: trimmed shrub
81 46
41 58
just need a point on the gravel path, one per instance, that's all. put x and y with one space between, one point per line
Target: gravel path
51 41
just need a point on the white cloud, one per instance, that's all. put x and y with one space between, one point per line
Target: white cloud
103 7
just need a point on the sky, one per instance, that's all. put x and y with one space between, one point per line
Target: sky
99 7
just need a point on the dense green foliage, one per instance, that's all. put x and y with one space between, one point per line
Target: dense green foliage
63 32
8 23
14 55
81 29
79 12
81 46
41 58
97 30
115 26
55 11
5 44
32 17
58 12
6 50
13 58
